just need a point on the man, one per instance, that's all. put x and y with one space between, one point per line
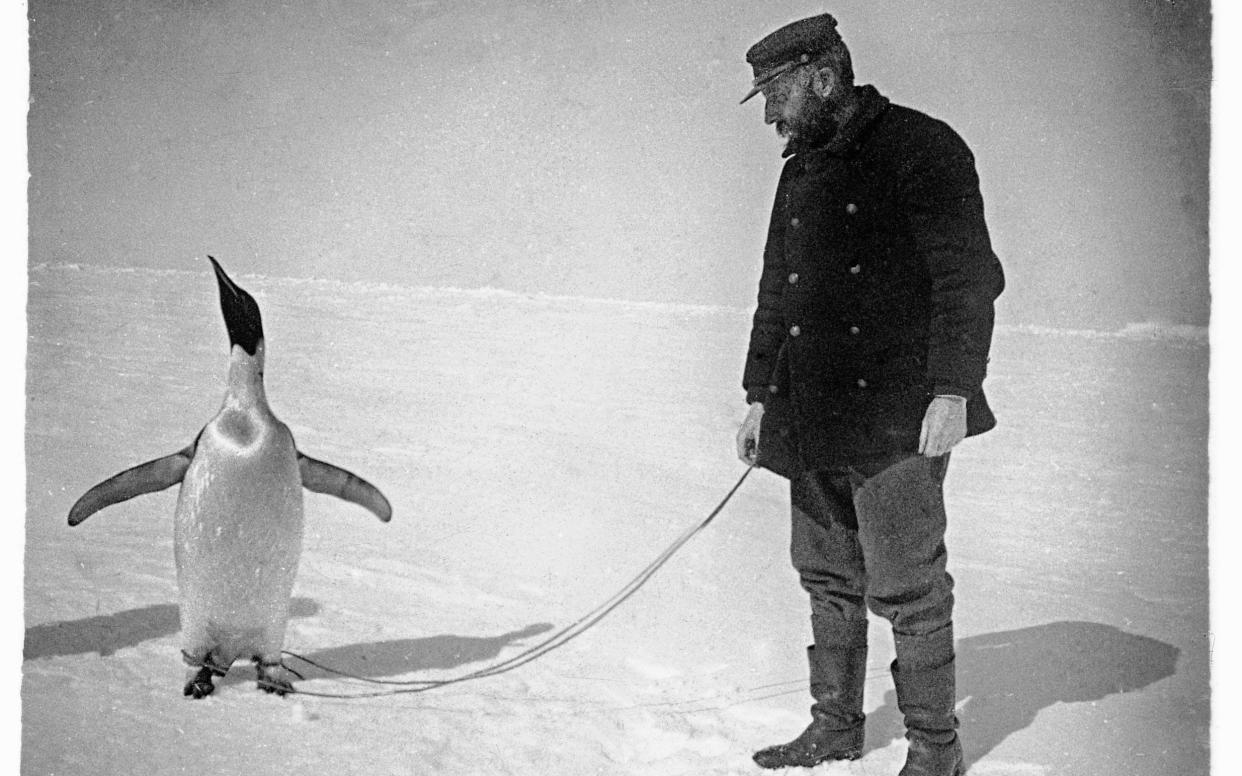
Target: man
865 367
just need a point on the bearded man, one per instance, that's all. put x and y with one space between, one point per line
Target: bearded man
865 368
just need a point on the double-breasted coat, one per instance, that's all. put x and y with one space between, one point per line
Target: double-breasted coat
876 294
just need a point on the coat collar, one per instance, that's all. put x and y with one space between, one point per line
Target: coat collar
871 105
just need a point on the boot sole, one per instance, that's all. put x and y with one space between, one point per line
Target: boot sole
847 754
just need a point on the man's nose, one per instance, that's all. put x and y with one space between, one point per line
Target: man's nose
771 111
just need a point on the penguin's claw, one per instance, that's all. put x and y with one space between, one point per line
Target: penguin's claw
200 685
275 679
276 688
197 690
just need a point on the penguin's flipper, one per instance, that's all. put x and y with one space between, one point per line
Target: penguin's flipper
144 478
321 477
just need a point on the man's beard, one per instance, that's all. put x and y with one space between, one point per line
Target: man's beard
812 126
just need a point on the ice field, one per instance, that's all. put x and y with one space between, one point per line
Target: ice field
538 452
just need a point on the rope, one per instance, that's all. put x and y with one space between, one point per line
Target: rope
555 641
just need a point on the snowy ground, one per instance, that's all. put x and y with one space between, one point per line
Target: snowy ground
539 452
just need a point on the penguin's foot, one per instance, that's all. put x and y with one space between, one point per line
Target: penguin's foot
275 678
199 684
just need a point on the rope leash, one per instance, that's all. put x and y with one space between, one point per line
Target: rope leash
555 641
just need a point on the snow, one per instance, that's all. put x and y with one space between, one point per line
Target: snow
539 451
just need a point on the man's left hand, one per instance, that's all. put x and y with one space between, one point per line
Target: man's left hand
944 425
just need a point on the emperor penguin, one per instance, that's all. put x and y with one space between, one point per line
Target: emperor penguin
237 529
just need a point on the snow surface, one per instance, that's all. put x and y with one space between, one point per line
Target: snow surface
539 451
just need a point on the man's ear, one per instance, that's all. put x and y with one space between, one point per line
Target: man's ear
823 80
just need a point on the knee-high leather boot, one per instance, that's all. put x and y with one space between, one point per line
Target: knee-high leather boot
924 674
838 666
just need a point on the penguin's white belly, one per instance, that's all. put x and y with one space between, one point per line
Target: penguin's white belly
238 535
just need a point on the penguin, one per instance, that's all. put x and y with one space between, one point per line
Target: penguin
238 524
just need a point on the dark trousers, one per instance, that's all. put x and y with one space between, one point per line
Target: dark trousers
871 536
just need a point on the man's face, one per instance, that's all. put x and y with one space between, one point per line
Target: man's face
791 103
784 100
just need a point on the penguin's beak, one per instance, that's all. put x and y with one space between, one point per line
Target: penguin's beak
241 312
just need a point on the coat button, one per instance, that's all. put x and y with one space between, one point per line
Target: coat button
793 277
862 383
854 270
851 208
854 330
795 223
794 331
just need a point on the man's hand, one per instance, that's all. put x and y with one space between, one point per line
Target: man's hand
944 425
748 435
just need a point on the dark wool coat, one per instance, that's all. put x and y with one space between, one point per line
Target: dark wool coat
876 294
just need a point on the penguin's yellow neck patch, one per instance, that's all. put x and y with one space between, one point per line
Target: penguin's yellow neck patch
238 428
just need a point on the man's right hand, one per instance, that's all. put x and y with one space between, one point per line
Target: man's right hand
748 435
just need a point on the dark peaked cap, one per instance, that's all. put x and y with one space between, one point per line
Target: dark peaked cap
797 43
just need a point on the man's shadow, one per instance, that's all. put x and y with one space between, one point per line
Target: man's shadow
106 633
1004 679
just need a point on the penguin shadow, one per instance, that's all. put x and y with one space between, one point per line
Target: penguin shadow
382 659
107 633
1004 679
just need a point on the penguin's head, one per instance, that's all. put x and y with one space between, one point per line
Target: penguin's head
241 312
